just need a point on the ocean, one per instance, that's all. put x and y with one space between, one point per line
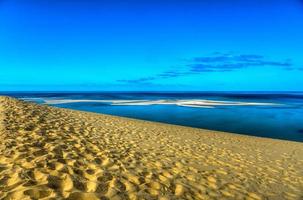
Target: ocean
274 115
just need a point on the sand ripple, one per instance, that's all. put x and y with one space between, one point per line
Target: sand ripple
51 153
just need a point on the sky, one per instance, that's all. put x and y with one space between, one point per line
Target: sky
167 45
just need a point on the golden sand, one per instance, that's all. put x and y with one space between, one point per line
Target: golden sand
52 153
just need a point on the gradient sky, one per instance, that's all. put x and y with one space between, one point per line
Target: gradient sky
217 45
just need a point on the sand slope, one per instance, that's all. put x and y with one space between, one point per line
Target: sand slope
50 153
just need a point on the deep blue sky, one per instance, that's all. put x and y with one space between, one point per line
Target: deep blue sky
151 45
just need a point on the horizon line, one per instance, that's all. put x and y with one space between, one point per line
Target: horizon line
143 91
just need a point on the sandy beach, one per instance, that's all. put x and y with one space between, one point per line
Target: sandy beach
53 153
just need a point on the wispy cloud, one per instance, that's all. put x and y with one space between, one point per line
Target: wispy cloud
228 62
217 62
139 80
172 74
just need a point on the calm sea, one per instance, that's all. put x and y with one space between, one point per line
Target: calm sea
273 115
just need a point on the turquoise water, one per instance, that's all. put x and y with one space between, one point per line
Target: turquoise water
273 115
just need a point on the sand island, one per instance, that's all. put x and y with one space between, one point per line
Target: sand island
54 153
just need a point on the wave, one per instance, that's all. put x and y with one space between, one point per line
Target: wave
201 103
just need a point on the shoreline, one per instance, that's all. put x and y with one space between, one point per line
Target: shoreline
170 124
67 154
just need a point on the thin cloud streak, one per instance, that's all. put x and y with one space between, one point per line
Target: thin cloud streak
218 62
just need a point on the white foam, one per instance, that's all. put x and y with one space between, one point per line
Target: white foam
195 103
31 99
64 101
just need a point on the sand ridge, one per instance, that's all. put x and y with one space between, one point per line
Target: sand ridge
52 153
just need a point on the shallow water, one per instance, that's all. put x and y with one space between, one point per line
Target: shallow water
274 115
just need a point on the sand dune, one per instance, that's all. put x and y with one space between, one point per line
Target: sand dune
52 153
